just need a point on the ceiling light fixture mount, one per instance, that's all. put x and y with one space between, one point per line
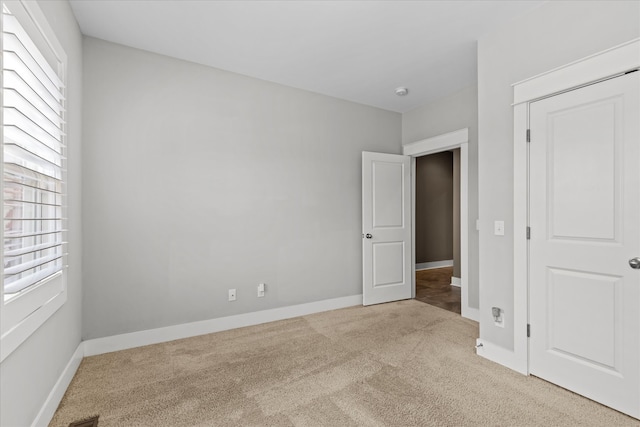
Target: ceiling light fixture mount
402 91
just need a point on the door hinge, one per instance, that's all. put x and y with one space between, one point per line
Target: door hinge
528 135
528 330
528 233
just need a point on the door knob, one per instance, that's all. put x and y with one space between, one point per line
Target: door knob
369 236
635 263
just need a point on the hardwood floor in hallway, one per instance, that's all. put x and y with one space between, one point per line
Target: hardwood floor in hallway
433 287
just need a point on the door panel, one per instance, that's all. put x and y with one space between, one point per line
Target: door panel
599 296
388 209
582 144
388 263
584 215
386 218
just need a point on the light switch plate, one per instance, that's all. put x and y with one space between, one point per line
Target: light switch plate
498 228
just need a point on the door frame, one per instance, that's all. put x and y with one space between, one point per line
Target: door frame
437 144
592 69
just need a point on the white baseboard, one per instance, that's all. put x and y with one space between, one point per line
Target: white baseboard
55 396
186 330
500 355
470 313
434 264
456 281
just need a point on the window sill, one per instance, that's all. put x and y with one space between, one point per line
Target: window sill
23 314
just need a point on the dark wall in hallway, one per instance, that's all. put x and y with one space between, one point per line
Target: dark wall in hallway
434 207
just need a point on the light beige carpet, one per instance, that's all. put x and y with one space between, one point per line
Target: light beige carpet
398 364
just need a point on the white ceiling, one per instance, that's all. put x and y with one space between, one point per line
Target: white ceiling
355 50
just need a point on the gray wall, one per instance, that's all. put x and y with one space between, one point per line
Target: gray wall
457 111
434 207
30 372
550 36
199 180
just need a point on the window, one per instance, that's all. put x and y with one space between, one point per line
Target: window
33 170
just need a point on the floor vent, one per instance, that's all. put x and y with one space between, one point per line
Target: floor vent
87 422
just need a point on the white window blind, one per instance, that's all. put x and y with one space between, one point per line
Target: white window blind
33 156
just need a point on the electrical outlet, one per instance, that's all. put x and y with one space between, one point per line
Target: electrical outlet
260 290
498 316
232 294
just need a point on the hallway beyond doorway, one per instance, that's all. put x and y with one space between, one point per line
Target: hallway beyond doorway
433 287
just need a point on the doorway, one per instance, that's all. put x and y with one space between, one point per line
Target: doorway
388 216
446 142
437 230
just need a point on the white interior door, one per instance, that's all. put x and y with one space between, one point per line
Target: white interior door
584 218
386 227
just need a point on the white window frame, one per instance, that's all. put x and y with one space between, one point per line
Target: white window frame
23 314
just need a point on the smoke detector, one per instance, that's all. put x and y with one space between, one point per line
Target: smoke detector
402 91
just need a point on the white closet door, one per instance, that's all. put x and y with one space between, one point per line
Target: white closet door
585 233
